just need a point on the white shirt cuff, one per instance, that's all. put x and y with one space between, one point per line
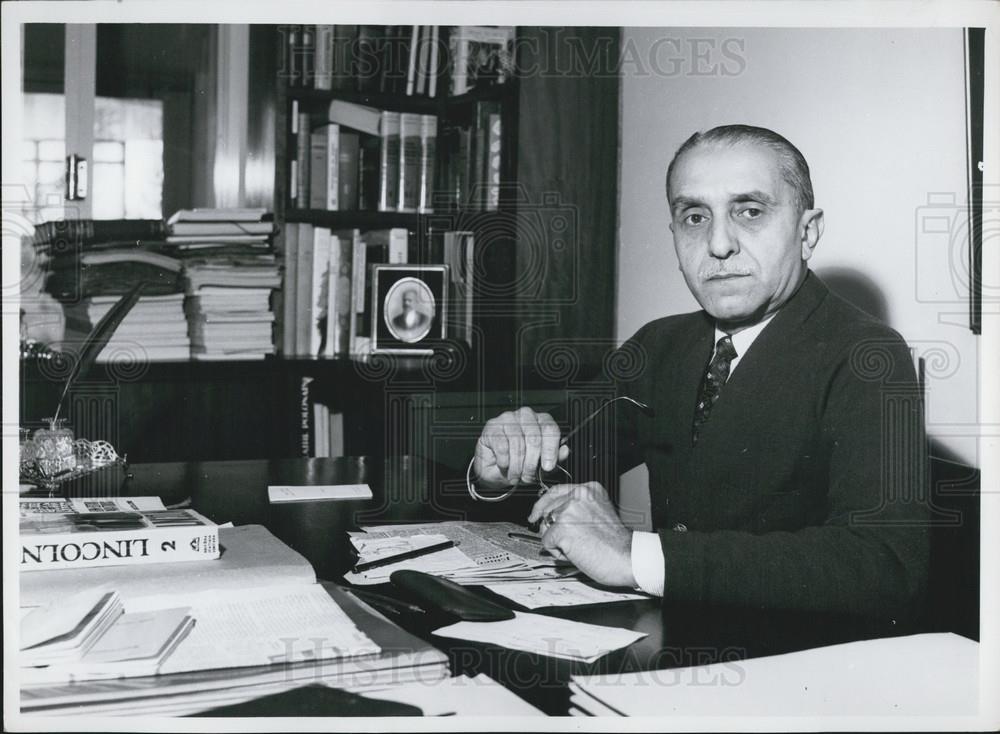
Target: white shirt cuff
647 562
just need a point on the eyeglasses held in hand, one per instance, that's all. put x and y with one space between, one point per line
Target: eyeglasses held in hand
543 486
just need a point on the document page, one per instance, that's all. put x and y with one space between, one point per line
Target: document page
558 593
261 627
560 638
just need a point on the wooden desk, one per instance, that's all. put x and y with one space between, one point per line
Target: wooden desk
408 489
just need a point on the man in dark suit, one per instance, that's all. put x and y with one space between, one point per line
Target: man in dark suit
786 450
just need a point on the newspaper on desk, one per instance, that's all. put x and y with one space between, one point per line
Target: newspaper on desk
494 556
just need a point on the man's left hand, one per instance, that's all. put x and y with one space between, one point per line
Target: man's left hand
580 521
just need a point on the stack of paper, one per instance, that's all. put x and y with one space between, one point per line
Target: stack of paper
190 228
559 593
551 636
491 554
137 644
229 271
66 631
230 315
156 328
919 675
460 696
250 643
448 562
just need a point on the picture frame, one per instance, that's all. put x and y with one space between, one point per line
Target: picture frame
409 308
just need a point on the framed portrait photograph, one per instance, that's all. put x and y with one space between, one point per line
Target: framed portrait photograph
409 308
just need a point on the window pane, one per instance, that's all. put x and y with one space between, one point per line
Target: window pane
105 152
108 185
52 150
143 179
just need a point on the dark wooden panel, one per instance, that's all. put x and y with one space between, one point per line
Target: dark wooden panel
567 169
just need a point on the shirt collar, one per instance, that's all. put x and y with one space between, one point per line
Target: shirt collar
743 339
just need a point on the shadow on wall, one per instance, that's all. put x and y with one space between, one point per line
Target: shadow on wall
857 289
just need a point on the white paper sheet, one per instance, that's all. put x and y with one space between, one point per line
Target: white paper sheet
918 675
318 493
460 696
560 638
261 626
564 593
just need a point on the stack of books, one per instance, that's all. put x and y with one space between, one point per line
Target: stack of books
229 274
126 638
156 329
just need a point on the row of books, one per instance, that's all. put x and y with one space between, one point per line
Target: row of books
320 428
327 297
362 158
410 60
326 286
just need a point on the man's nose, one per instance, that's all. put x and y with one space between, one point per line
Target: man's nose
722 242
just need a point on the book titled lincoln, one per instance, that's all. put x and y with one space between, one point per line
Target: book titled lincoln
82 539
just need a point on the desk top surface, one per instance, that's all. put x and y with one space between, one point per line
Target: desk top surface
407 489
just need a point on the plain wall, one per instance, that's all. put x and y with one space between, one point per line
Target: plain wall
880 116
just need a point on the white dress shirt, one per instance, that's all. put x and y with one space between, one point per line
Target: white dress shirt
648 564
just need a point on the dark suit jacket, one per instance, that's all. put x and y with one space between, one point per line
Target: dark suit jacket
807 488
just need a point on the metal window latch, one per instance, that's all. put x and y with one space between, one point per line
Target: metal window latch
77 179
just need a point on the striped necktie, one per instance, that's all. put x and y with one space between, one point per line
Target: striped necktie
711 384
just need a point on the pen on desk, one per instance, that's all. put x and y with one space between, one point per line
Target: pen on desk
386 602
415 553
526 537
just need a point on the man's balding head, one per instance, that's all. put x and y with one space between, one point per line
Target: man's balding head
792 164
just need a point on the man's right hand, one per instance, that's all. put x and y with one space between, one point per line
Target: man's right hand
514 445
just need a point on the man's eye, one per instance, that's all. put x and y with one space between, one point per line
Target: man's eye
751 212
695 219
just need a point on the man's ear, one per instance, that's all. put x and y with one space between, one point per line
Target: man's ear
811 227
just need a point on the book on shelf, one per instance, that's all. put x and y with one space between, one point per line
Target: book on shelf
230 214
303 289
435 61
411 66
366 63
459 255
472 156
423 60
69 233
221 228
355 116
320 272
358 273
343 41
409 162
338 308
304 431
307 55
324 167
426 169
480 56
348 181
389 161
81 539
301 172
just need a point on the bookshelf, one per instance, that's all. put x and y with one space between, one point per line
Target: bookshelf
559 154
